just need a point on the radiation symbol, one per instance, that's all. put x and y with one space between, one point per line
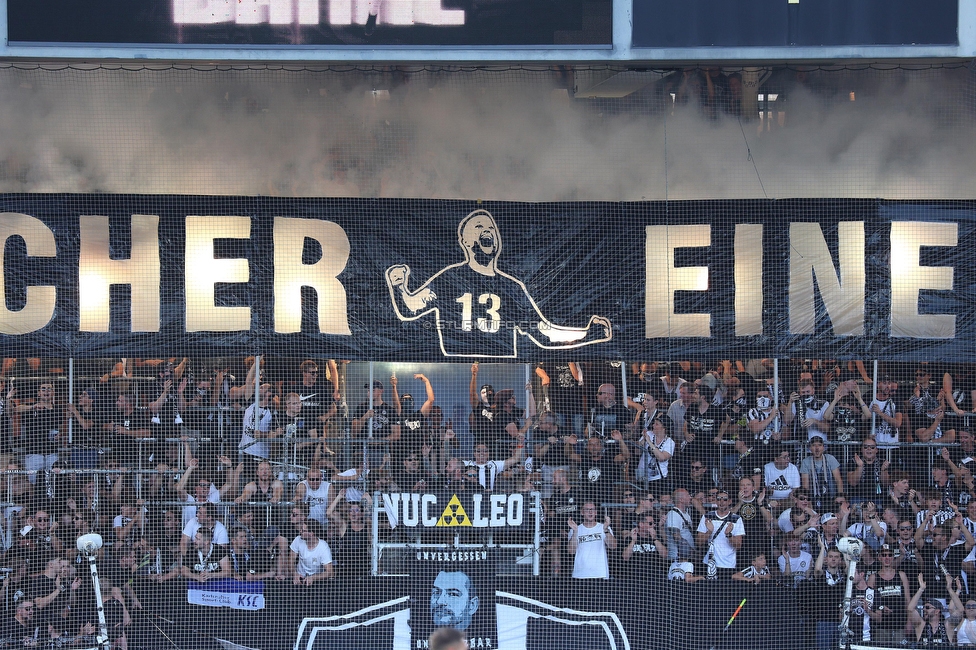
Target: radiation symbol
454 514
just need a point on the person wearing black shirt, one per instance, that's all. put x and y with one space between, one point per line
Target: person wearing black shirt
890 593
205 560
482 408
21 629
703 418
866 473
505 427
245 562
42 422
848 412
942 555
89 418
562 387
599 472
821 596
609 415
127 428
377 418
645 556
318 400
564 503
413 432
947 486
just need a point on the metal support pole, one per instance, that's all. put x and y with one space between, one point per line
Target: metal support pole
102 640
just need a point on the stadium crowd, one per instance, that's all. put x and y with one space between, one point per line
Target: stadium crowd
744 471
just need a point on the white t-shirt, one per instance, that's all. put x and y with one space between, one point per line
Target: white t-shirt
801 410
782 482
721 549
591 552
219 531
683 523
650 467
190 512
311 560
679 570
800 564
256 418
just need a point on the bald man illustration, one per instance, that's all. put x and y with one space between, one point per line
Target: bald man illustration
479 310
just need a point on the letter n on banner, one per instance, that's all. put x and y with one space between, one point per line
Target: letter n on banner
843 297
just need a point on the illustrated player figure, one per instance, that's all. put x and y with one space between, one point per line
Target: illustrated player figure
480 311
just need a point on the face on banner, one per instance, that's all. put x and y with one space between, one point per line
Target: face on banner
453 601
454 594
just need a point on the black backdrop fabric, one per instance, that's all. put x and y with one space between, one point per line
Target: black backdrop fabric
653 613
575 260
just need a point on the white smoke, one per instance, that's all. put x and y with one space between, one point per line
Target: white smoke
513 135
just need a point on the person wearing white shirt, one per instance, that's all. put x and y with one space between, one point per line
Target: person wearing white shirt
794 563
781 476
311 555
721 532
589 542
203 520
257 426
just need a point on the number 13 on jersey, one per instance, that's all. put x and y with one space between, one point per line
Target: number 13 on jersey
492 304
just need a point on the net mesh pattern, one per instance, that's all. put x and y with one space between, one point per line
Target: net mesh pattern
680 500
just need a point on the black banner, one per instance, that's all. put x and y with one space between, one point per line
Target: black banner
254 23
423 280
774 23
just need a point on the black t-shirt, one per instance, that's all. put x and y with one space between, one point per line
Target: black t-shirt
597 478
126 445
889 594
870 485
481 420
645 564
249 562
822 596
413 433
296 426
199 561
704 426
383 421
42 425
168 417
930 559
565 393
604 420
15 633
847 423
503 444
562 506
40 587
316 401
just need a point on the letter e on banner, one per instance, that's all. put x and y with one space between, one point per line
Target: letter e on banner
662 279
908 277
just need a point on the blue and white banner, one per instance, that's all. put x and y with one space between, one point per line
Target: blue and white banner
226 592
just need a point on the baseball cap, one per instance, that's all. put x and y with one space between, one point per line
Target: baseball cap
814 439
827 516
376 384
